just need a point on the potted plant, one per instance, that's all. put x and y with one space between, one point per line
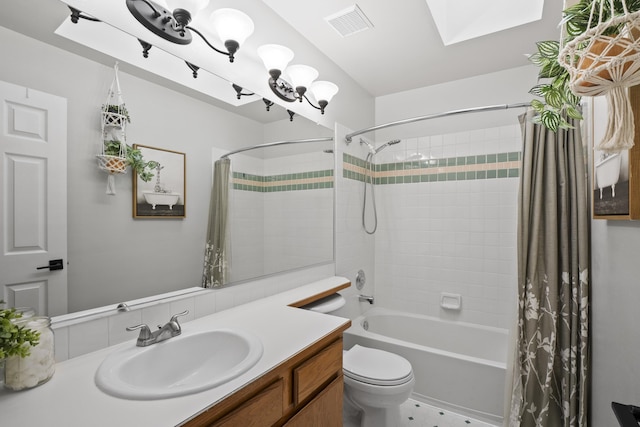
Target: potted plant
115 115
132 158
558 100
15 340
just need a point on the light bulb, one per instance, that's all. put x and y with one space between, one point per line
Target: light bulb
301 75
275 57
231 24
323 90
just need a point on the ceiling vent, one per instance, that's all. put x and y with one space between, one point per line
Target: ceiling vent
349 21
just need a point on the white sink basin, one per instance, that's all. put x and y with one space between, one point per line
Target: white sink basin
188 363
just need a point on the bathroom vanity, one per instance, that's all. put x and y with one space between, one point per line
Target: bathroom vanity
304 388
296 382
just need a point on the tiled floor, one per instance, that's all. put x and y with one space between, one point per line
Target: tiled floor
417 414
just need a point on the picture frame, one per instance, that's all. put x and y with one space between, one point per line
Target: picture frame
164 196
615 177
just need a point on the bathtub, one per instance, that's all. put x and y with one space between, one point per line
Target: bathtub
154 198
458 366
608 173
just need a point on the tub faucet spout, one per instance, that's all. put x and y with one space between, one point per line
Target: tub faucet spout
367 298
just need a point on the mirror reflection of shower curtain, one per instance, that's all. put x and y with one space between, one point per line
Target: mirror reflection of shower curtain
216 265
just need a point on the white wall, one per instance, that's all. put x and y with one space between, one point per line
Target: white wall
615 299
503 87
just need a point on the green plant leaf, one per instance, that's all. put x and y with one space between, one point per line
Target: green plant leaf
574 113
537 105
548 48
554 99
550 119
539 90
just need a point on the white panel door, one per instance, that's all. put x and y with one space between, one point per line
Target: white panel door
33 199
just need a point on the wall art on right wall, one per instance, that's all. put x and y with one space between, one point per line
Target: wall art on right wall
615 180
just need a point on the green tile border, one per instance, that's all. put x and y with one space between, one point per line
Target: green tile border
263 184
500 164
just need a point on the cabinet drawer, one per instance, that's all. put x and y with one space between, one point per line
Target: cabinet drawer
317 371
262 410
324 410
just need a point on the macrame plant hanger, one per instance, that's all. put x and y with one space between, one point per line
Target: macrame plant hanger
604 60
112 151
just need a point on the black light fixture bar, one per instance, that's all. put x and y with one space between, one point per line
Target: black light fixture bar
286 92
159 21
231 45
239 90
193 68
77 14
145 48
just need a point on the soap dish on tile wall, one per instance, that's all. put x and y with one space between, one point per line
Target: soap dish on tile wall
450 301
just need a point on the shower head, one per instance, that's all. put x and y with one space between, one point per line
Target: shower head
385 145
372 149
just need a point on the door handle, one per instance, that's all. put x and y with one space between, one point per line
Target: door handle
54 264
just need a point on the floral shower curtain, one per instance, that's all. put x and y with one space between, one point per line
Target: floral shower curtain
551 366
215 256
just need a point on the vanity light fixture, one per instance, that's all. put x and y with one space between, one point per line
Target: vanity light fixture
276 59
232 26
267 103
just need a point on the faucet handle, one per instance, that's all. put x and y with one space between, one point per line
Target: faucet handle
174 322
145 332
174 318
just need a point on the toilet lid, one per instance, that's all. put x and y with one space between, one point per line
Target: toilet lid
373 366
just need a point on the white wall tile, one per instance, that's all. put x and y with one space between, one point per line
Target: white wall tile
61 346
447 236
88 336
118 324
205 304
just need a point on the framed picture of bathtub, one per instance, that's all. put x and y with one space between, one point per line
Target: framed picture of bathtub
165 194
616 176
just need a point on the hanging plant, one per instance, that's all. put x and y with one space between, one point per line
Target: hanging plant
558 101
557 82
132 158
115 115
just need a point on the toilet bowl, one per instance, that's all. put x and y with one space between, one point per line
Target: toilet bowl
376 382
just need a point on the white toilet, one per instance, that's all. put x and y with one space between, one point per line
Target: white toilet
376 382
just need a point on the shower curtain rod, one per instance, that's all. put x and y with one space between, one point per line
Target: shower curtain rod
350 136
273 144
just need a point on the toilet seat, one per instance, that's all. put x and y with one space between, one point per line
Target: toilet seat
376 367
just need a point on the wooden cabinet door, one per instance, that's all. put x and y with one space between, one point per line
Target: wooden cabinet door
323 411
262 410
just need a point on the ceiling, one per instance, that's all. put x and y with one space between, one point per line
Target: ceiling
402 51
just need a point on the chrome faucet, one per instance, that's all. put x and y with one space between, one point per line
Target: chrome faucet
367 298
170 329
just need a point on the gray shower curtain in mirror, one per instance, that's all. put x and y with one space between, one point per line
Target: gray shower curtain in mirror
215 257
551 366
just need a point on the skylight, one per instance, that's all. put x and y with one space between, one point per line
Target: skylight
460 20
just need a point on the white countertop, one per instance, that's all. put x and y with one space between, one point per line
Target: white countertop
71 397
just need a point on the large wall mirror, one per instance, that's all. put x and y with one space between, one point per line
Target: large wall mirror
113 257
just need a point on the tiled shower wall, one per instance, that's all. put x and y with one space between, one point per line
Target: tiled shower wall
282 213
447 219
